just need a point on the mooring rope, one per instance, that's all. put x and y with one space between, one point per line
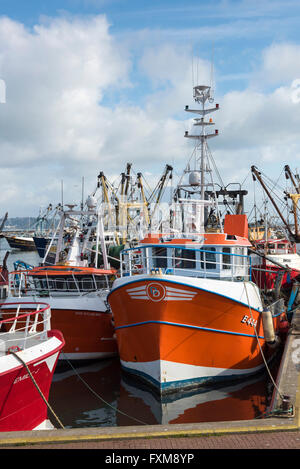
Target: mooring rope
37 387
101 398
261 351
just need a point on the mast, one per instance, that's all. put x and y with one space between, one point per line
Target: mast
201 95
289 175
196 190
257 175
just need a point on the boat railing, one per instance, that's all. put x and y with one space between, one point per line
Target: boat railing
22 323
24 284
200 262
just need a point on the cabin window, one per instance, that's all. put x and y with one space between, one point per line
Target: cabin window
60 284
41 284
101 282
159 257
271 246
281 246
37 284
87 283
71 284
226 258
210 259
185 258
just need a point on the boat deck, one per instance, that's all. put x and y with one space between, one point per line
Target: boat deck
8 339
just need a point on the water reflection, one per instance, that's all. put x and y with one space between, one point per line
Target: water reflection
86 395
99 394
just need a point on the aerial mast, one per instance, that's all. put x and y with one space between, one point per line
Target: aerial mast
201 94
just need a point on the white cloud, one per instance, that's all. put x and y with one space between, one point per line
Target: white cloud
281 63
55 77
58 123
55 124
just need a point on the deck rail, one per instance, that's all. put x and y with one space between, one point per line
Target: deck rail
23 321
22 283
180 260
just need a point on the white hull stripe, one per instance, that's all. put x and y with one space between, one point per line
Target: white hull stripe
164 372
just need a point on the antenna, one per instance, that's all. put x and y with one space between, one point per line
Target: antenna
193 68
82 193
212 85
62 193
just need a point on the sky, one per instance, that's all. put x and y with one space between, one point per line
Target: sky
89 85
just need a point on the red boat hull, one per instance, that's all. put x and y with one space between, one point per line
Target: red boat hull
266 279
21 405
88 334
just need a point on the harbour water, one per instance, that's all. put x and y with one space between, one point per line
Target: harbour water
99 394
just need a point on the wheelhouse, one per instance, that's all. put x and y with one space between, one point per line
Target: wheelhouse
229 262
62 280
276 246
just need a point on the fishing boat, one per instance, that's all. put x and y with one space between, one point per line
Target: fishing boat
29 350
273 258
25 243
276 262
185 308
76 291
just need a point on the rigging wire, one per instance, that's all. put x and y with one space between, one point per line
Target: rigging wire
260 348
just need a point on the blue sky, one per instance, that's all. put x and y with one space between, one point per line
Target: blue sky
92 84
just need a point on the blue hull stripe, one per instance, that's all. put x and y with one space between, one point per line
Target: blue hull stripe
188 327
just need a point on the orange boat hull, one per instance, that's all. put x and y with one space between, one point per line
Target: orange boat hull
187 338
88 334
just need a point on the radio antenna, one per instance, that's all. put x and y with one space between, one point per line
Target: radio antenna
212 84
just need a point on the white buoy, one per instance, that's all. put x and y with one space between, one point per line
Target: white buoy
268 327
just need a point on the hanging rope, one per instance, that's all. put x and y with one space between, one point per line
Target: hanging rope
261 351
101 399
37 387
274 413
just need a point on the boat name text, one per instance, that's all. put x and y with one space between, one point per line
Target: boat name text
249 321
